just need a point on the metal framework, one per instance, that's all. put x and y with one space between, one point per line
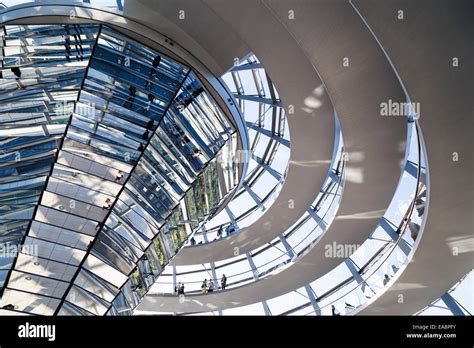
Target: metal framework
116 152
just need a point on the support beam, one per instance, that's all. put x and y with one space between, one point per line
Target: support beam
289 250
258 99
268 168
452 304
312 298
247 67
269 134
